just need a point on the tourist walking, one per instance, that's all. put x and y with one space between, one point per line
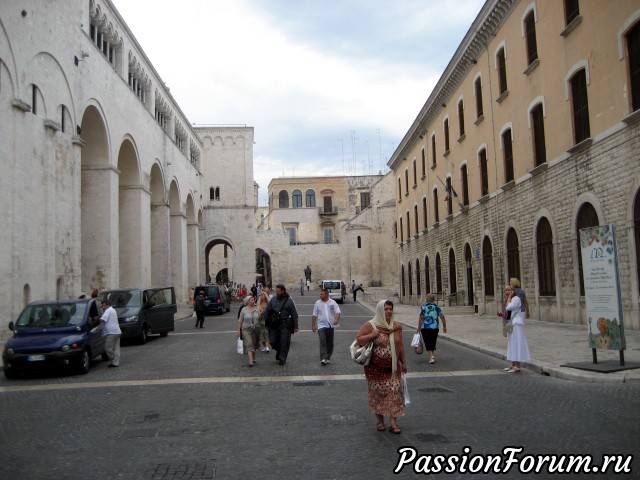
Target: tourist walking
263 302
111 331
386 366
199 308
247 327
283 310
517 347
325 316
301 287
429 325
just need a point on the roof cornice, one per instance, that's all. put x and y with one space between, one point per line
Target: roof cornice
482 30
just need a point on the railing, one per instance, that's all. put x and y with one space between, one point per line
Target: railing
331 211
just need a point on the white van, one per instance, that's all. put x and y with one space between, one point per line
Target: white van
335 289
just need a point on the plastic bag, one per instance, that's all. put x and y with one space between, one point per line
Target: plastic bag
240 347
415 342
405 391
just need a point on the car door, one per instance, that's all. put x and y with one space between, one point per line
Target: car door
96 328
160 313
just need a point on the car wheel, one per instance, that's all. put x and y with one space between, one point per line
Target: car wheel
85 361
105 356
10 374
144 336
164 334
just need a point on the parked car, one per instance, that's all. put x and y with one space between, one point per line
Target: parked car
215 299
47 334
143 311
335 289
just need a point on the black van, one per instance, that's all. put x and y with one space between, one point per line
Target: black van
142 311
215 299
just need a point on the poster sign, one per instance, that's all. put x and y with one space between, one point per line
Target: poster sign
602 287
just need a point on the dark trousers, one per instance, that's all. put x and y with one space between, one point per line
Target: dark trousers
355 292
280 338
326 343
199 318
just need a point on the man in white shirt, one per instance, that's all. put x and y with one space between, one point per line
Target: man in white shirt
111 331
326 314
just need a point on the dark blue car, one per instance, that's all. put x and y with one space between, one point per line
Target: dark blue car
47 334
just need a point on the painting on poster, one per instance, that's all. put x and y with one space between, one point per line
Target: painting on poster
602 287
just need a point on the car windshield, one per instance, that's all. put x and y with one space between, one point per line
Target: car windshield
123 298
52 315
332 285
213 292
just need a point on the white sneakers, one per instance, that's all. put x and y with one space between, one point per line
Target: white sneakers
432 360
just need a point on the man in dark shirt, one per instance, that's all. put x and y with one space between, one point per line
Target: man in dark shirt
286 325
199 308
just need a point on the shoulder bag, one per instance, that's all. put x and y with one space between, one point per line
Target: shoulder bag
272 319
361 354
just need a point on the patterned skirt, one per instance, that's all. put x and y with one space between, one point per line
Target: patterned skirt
385 397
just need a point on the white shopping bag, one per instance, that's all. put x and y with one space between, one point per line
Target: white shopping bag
405 390
415 342
240 347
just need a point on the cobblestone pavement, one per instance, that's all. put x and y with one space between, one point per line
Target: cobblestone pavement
187 407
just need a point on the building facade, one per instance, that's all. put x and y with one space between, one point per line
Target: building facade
101 169
530 134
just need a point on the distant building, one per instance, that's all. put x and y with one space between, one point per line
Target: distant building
530 134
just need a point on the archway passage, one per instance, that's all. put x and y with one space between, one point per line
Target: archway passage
222 277
469 269
160 269
263 267
218 255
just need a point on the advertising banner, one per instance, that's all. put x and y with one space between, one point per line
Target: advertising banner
602 287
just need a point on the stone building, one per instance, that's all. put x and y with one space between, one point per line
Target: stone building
305 221
101 180
530 134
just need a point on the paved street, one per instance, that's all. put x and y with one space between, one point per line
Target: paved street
187 406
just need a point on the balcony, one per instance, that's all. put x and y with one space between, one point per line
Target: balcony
328 211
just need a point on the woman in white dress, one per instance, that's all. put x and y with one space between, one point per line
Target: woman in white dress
517 348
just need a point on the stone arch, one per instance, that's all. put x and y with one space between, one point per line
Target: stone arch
215 259
177 241
98 187
468 264
8 58
546 214
453 277
192 242
159 217
263 267
45 71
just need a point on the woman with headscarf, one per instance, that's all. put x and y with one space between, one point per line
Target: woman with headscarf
517 347
384 372
247 322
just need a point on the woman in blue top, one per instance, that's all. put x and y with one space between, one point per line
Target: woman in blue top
428 325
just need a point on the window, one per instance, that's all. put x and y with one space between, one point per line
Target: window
544 248
415 173
410 275
438 274
212 193
402 280
633 52
427 279
478 89
293 235
418 286
530 35
446 136
507 153
415 218
513 255
571 10
580 104
226 251
436 215
465 184
406 181
399 190
461 116
34 99
401 231
453 281
502 70
310 198
136 85
636 231
449 197
103 44
539 148
484 174
424 212
327 202
217 193
359 242
408 226
424 164
395 230
296 199
283 198
328 235
487 264
365 200
587 217
433 150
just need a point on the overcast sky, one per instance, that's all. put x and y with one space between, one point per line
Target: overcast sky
314 78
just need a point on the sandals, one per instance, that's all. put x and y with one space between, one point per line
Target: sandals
394 429
513 370
381 427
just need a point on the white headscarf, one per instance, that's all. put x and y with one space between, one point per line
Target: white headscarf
380 320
